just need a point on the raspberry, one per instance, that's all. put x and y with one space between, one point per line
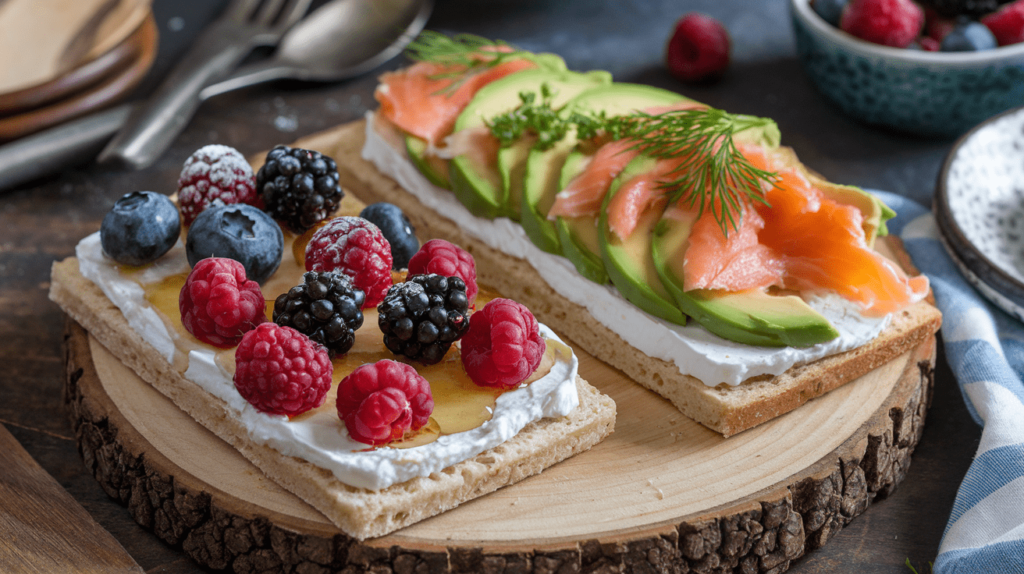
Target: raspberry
355 247
381 401
1007 25
447 259
503 345
219 304
699 48
214 173
280 371
893 23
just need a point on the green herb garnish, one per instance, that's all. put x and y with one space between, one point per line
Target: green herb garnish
713 175
462 52
543 121
539 119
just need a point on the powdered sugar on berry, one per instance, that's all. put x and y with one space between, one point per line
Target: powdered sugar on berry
324 441
214 174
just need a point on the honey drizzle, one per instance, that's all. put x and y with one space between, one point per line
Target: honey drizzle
459 404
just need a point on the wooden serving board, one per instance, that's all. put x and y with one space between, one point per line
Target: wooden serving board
661 494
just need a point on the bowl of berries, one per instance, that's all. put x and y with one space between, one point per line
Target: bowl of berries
927 67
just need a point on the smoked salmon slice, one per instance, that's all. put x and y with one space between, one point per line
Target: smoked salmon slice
733 262
585 193
420 99
805 242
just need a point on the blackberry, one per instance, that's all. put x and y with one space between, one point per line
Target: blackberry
326 308
971 8
422 317
299 187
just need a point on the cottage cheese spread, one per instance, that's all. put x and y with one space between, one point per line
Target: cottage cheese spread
694 350
324 441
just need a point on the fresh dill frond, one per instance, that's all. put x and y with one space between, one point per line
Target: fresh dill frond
713 174
461 52
464 49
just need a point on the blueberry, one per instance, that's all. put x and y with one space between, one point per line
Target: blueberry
968 36
240 232
830 10
141 227
396 229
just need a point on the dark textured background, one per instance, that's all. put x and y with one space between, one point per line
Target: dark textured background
42 222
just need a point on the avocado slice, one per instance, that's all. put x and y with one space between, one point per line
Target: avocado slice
434 168
629 262
512 167
478 185
751 317
543 167
577 236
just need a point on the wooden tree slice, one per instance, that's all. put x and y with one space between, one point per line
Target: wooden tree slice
662 494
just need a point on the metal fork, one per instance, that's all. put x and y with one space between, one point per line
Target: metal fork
244 25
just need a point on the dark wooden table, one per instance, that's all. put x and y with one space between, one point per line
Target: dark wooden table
43 221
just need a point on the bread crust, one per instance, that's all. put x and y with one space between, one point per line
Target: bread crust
358 512
725 409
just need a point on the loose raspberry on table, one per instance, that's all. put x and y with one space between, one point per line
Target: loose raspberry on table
698 49
503 345
381 401
894 23
355 247
1007 24
446 259
219 304
280 371
214 173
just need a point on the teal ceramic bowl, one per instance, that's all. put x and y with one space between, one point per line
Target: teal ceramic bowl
924 93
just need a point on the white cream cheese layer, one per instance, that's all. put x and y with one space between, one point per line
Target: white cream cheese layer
694 350
324 441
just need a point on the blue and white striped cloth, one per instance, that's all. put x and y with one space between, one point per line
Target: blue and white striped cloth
985 348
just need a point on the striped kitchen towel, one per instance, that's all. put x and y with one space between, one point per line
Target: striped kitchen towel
985 349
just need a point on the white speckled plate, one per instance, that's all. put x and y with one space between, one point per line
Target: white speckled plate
979 206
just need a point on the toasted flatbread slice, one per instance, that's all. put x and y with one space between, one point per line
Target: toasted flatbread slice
360 513
725 409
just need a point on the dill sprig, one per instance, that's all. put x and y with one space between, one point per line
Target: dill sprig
462 52
713 174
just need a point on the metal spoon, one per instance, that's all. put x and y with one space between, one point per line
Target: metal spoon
341 39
